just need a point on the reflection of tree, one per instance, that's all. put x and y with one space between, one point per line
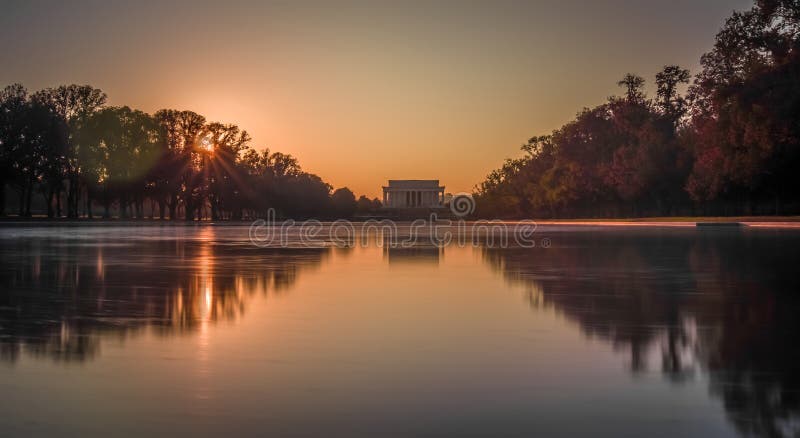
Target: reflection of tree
59 299
725 302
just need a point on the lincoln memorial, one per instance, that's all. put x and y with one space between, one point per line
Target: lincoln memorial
413 193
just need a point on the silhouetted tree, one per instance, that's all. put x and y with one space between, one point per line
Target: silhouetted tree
13 108
63 140
121 145
221 146
633 84
671 104
182 159
343 203
71 103
366 206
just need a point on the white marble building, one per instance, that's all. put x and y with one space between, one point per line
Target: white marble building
413 193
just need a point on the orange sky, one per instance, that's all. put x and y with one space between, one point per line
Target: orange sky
363 92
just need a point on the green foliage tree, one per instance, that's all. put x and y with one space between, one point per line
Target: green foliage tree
72 104
121 146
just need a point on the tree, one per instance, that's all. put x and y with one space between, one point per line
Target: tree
671 104
72 104
44 139
343 203
49 137
183 159
65 139
221 147
303 196
13 105
121 146
258 192
33 140
744 112
633 84
364 205
619 158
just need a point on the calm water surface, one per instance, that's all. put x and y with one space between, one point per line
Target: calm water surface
192 331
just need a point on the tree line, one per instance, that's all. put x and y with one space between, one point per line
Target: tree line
728 145
79 155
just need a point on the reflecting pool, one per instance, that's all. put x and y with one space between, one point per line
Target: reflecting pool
193 331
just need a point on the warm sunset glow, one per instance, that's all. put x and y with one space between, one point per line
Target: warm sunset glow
410 90
366 218
207 145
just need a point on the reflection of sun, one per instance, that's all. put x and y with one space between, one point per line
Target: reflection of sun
205 262
208 299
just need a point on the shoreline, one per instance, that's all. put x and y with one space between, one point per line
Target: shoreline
709 222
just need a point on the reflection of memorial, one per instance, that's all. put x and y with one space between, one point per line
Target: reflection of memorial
723 303
414 251
58 300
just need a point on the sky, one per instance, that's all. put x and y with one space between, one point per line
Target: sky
362 92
